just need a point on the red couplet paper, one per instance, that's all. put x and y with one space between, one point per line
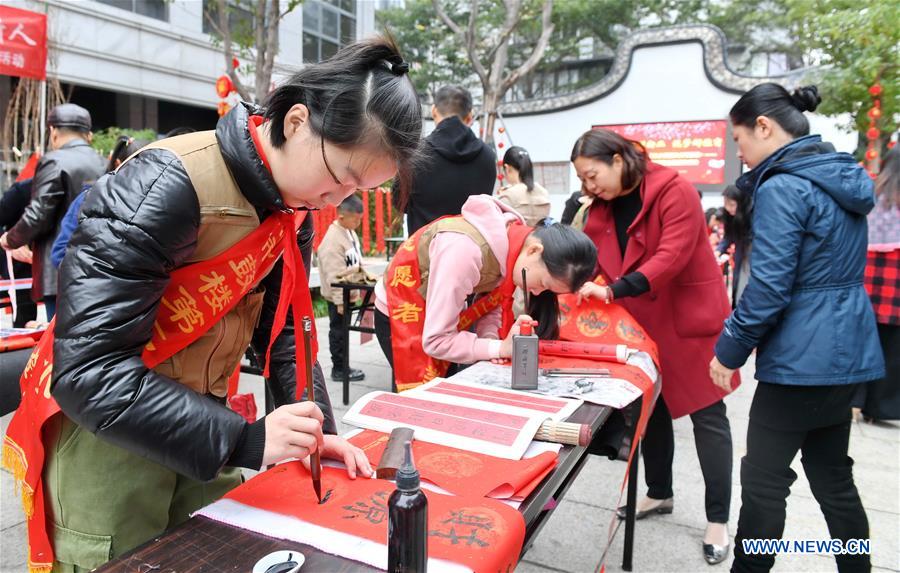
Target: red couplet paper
485 394
481 534
462 472
486 425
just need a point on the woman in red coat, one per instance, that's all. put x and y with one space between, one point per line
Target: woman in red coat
654 253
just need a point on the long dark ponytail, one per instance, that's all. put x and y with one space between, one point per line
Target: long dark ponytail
571 257
518 158
737 226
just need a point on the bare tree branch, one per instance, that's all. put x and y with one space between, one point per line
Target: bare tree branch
446 19
292 4
259 39
224 30
539 48
513 17
272 41
467 37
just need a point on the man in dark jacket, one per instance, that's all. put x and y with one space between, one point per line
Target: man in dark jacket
457 163
58 179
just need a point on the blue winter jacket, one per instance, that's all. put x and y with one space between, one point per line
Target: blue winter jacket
805 308
66 228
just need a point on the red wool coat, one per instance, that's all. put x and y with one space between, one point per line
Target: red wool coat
687 303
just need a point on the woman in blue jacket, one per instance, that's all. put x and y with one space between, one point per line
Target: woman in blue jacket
806 312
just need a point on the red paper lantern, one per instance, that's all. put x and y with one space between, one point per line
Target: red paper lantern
500 163
875 90
235 63
873 175
499 177
871 155
873 133
874 113
502 129
891 144
500 145
223 108
877 103
224 86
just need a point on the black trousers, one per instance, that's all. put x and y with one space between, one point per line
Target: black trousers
814 420
383 334
336 336
712 436
26 308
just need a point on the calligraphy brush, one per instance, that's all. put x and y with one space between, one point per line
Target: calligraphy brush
315 461
525 292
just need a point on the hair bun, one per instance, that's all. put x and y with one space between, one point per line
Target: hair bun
806 98
399 68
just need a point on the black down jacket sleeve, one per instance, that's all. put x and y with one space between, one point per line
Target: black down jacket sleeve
283 382
137 226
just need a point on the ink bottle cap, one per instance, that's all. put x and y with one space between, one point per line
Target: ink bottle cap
526 328
407 476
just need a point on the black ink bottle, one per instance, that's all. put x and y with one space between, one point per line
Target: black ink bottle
407 521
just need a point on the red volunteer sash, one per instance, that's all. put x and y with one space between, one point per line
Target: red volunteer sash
406 307
598 323
198 296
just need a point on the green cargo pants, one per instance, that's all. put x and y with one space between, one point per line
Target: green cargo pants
102 500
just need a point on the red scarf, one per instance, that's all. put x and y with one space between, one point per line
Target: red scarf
406 309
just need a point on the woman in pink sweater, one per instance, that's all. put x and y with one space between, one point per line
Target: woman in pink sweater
422 320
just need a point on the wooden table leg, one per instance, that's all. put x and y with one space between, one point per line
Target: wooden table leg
630 510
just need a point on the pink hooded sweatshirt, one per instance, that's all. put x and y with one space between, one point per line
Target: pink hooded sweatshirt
454 272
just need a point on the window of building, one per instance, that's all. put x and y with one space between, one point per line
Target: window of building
152 8
554 176
327 26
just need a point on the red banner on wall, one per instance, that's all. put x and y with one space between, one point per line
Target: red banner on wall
23 43
696 149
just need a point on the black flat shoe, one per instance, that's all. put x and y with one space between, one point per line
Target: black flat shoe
664 508
355 375
714 554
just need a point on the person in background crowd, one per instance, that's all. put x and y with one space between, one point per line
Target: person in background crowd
482 253
136 449
340 258
522 193
174 132
573 204
736 226
880 400
59 178
456 164
654 254
125 147
806 312
12 206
